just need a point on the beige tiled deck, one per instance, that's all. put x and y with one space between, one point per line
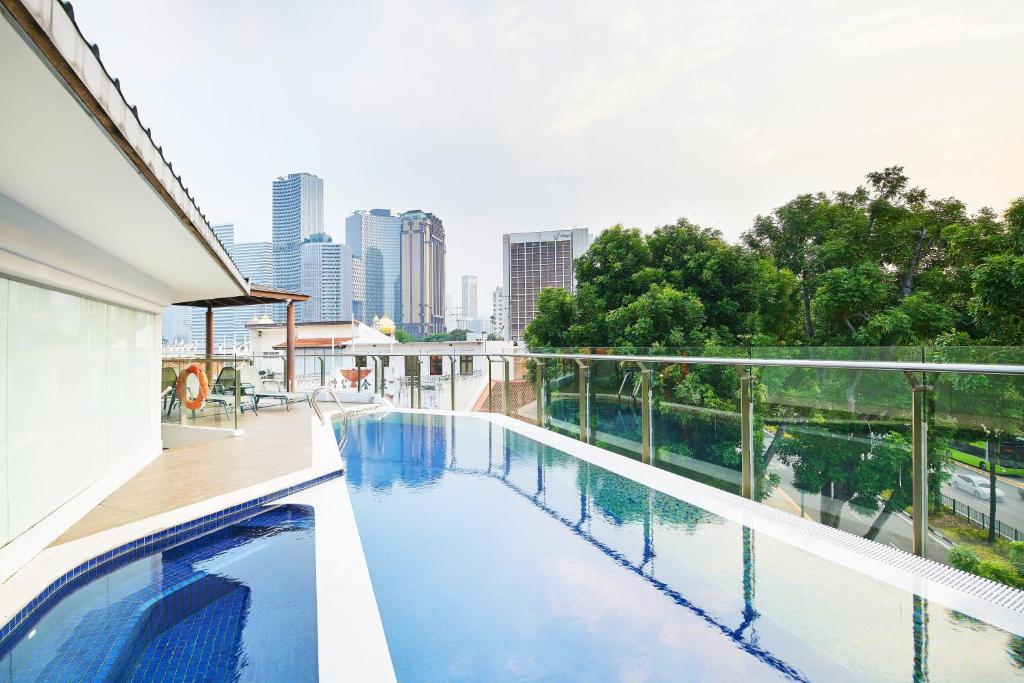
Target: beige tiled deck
275 443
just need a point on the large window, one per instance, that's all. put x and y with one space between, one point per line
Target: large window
436 365
98 363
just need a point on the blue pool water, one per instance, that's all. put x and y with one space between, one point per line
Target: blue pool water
493 557
237 604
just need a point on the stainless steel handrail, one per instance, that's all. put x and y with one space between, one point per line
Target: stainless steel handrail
341 409
890 366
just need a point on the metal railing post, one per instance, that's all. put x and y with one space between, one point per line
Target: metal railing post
504 388
919 468
454 360
646 432
746 437
238 391
490 382
584 381
419 381
539 369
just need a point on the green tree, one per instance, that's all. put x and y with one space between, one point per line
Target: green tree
660 316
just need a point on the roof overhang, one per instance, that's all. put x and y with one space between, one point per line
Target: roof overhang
258 294
76 154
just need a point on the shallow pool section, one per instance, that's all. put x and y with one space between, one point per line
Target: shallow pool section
238 603
493 556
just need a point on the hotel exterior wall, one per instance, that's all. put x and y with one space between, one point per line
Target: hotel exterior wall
96 364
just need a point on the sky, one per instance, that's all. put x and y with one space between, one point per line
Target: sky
531 115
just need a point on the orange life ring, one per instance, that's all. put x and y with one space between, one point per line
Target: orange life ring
204 387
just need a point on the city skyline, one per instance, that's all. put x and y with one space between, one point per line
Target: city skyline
652 112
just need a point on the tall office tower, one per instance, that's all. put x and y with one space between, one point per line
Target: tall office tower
534 261
326 278
375 238
255 262
470 301
499 312
176 325
225 232
358 288
298 213
423 254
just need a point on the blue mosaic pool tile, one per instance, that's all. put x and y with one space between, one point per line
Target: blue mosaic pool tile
132 550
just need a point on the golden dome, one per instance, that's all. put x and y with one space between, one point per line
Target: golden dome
386 325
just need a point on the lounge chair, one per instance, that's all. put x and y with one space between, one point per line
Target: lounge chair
169 379
284 397
222 391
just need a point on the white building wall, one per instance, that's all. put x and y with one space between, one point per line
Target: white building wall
99 361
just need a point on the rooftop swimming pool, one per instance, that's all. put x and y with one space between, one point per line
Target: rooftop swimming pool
238 603
493 556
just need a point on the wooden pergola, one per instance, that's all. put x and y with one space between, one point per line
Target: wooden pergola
258 294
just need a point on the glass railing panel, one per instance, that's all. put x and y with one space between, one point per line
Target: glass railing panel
562 397
977 429
616 407
836 444
696 420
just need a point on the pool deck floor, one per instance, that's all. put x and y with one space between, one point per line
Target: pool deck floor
277 442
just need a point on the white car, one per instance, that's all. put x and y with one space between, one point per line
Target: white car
976 486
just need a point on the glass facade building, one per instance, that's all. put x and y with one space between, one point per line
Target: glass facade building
298 213
255 261
375 239
327 279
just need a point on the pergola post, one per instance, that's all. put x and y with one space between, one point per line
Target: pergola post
209 341
290 345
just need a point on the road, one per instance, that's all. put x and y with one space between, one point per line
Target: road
1009 510
896 530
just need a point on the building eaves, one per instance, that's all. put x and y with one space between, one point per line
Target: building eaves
50 26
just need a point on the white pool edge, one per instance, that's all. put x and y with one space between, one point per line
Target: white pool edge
351 644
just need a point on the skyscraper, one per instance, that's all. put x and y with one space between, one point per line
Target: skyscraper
298 213
470 300
255 262
176 324
326 278
423 255
534 261
375 238
499 312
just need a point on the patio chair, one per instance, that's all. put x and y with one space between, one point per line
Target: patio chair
285 398
169 378
222 391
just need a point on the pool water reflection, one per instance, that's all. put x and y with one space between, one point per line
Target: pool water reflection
493 556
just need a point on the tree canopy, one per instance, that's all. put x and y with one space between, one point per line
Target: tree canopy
883 264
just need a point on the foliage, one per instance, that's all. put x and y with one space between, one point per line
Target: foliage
963 558
451 335
403 337
859 270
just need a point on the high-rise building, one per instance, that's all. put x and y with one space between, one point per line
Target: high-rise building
255 261
298 213
176 324
534 261
470 300
499 312
423 254
375 239
326 278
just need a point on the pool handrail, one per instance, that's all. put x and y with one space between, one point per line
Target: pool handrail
341 410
